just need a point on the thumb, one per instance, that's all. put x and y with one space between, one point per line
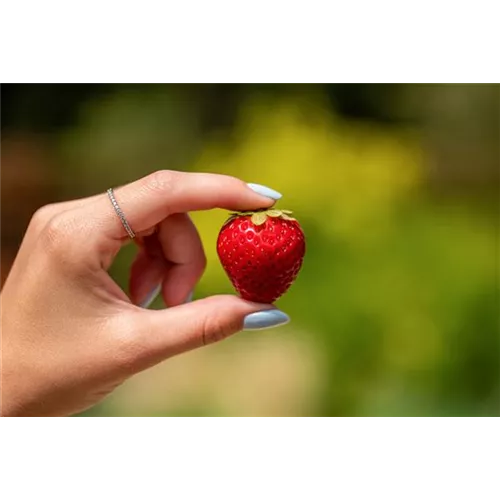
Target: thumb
160 334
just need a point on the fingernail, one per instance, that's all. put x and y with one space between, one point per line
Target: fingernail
265 191
189 298
265 319
150 297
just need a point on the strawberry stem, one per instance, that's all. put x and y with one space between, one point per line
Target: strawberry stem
260 216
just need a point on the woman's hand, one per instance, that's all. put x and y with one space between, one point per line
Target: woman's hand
70 335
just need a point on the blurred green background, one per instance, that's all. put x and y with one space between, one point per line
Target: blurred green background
397 187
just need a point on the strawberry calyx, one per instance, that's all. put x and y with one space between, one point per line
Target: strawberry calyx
259 217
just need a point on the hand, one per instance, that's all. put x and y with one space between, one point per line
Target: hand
70 335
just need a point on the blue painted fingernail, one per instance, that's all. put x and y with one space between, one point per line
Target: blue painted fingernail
150 297
265 319
265 191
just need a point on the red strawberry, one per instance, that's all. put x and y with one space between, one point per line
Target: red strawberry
261 252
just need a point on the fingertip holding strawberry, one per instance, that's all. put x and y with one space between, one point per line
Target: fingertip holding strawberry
265 191
262 253
261 320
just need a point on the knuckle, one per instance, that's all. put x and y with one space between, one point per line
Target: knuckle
161 180
43 215
55 235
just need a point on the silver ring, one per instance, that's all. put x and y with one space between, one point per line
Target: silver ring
120 214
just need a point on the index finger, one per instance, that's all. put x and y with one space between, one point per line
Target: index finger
150 200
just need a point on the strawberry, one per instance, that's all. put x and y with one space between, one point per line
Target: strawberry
261 252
